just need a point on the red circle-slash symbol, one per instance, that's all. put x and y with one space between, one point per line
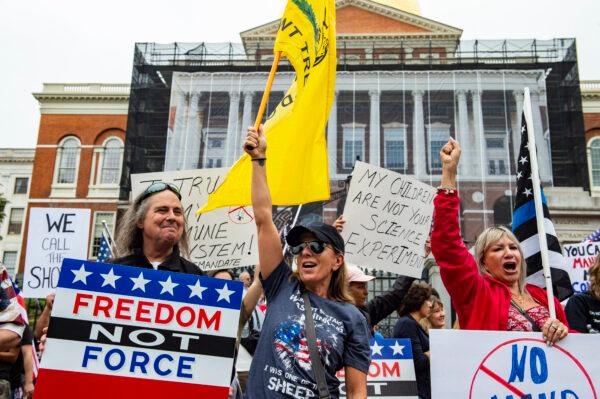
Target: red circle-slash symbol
240 215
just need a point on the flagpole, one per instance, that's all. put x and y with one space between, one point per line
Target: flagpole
265 97
537 199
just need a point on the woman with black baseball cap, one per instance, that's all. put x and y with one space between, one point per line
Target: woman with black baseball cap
282 364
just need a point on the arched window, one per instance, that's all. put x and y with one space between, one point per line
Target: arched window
594 163
68 153
111 162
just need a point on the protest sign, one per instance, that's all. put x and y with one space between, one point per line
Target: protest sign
388 218
222 239
512 365
53 235
126 332
392 371
578 259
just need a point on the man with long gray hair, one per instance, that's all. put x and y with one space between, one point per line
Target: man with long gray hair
153 234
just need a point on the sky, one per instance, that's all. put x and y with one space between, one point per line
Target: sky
75 41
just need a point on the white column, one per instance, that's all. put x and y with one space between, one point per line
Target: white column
332 138
246 122
176 137
418 135
192 142
232 128
463 131
477 166
374 129
542 143
516 133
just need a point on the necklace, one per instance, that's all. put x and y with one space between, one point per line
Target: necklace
520 298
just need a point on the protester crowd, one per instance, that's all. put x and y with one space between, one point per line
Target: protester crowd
317 319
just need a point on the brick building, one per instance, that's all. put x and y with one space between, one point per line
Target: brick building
79 153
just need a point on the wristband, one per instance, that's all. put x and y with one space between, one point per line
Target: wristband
447 189
259 159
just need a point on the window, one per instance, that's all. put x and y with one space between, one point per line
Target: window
215 143
354 148
67 167
394 147
109 218
21 185
10 261
594 162
438 136
494 143
111 162
214 163
15 221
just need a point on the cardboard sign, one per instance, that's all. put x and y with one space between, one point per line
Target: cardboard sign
54 234
127 332
512 365
392 371
578 259
222 239
388 218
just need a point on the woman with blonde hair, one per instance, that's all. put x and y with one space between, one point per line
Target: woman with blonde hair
488 290
283 364
437 318
583 310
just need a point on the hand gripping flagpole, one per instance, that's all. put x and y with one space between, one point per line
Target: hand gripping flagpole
537 199
265 97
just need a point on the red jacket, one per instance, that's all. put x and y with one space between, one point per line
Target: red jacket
481 302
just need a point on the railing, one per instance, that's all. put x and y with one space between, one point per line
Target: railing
442 52
590 85
86 88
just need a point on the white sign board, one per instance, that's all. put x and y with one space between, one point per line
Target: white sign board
513 365
54 234
222 239
578 260
388 217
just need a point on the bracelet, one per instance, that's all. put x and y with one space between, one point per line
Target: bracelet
259 159
447 189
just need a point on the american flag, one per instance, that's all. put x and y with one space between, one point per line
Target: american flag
104 251
524 227
25 316
594 237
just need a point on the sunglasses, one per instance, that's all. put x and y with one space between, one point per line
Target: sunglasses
157 188
316 247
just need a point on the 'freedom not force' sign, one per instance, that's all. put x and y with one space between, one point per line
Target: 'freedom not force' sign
133 332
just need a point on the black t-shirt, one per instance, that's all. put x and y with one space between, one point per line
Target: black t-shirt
174 263
583 313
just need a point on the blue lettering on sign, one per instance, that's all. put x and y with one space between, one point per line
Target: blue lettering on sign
538 365
139 362
566 394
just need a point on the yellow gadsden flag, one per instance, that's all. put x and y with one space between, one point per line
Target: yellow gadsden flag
297 169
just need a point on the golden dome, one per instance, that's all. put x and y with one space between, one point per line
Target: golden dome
411 6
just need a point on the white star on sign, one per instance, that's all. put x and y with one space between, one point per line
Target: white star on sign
139 282
81 274
196 290
168 286
523 160
224 293
376 349
527 192
110 278
397 348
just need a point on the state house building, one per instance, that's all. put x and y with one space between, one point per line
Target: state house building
405 84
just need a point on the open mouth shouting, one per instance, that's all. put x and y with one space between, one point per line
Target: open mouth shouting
510 267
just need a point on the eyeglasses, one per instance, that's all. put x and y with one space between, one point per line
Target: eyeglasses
157 188
316 247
